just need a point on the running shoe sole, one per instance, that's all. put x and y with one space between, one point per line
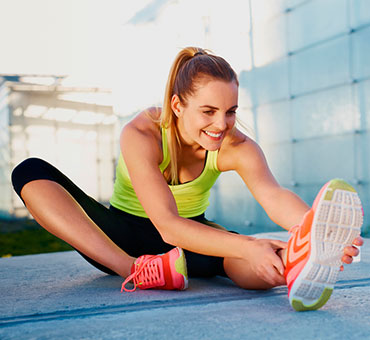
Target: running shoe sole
181 267
337 222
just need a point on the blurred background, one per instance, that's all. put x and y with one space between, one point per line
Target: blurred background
72 73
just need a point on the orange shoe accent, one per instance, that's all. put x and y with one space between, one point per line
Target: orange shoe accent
316 245
298 250
166 271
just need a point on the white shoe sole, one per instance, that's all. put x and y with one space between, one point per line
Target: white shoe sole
337 222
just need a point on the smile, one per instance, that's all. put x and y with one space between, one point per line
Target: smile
212 134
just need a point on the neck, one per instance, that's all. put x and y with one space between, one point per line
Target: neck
186 144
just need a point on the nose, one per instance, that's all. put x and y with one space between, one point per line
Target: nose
221 122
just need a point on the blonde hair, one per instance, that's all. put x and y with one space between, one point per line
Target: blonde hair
191 65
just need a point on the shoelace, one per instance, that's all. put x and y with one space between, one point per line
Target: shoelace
144 272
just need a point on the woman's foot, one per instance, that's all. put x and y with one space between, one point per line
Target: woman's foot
166 271
316 245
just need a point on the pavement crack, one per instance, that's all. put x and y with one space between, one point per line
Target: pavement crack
133 307
156 304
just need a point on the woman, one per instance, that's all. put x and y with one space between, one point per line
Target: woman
170 158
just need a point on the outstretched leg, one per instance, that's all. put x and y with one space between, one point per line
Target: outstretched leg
240 272
315 250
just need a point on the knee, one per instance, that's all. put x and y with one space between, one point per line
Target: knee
26 170
26 166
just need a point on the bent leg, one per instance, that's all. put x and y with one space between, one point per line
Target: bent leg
57 210
240 272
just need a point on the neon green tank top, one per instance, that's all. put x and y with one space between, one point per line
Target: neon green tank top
192 198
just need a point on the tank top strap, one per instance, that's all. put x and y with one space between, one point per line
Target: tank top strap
166 156
212 161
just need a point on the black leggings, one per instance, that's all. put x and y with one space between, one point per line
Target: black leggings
135 235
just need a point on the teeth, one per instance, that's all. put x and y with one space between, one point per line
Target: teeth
215 135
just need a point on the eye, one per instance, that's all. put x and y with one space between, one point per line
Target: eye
231 113
208 112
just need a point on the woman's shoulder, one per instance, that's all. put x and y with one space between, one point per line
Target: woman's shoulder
235 145
147 121
144 131
236 139
145 124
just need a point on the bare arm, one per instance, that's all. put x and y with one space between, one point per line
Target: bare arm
283 206
142 155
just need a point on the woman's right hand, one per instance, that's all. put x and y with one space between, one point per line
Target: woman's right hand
262 256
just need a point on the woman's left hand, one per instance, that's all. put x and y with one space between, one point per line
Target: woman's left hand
350 251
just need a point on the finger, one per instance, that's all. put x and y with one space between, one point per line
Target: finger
358 241
277 273
265 276
278 264
264 273
351 251
279 280
279 244
283 281
274 277
347 259
341 268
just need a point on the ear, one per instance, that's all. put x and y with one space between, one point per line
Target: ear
176 105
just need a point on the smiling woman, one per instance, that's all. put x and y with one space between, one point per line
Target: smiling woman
205 126
195 75
170 158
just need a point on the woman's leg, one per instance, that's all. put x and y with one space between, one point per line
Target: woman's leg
242 275
240 272
59 213
56 209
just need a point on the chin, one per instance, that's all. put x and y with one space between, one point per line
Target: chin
212 148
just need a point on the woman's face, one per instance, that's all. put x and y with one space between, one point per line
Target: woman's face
208 115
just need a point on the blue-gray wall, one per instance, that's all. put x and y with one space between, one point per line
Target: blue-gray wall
310 101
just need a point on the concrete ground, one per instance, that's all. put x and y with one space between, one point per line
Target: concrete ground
61 296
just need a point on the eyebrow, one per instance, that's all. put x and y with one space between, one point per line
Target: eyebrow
216 108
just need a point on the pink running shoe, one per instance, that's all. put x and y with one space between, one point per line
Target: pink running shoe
166 271
316 245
